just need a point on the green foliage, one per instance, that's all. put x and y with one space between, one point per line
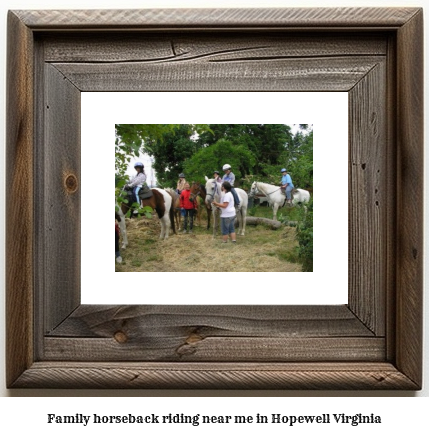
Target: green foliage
175 148
305 238
267 142
130 139
205 161
169 144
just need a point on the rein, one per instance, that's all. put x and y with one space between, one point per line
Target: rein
266 193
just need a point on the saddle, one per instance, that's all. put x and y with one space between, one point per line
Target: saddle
145 192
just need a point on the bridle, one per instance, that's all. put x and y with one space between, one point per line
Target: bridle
215 189
194 195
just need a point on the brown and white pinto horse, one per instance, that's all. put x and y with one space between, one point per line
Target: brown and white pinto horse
161 202
175 206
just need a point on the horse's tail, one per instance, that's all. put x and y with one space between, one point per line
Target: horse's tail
172 221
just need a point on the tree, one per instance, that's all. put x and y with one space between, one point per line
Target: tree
166 143
170 153
205 161
130 139
266 141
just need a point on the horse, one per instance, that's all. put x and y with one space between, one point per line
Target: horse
275 196
213 192
161 202
120 217
199 190
175 206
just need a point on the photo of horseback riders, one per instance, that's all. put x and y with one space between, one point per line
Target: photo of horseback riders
186 192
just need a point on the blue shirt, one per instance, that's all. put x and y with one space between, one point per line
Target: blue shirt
287 179
229 178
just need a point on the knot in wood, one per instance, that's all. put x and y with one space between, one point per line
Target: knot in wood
71 183
120 337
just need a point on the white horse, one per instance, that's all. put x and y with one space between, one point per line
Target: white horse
213 192
122 226
276 197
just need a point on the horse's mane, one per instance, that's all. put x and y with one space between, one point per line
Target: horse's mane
265 184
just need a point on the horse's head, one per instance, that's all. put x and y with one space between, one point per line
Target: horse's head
211 190
253 190
195 190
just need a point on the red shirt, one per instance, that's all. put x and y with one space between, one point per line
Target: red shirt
185 200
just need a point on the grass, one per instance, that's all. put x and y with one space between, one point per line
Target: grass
261 249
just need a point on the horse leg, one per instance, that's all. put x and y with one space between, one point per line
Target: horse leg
214 222
275 209
123 228
165 227
208 217
243 213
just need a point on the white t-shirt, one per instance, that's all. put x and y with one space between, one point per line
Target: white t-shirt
228 211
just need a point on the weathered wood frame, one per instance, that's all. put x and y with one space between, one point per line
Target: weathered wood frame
374 342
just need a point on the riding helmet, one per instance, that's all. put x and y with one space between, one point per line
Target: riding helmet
226 167
283 170
138 164
181 175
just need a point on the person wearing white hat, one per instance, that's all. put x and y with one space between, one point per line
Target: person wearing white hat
230 178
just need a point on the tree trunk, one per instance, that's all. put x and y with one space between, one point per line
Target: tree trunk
254 221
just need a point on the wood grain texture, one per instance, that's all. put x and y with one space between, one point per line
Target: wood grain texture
61 208
409 262
153 347
178 47
109 375
217 18
213 333
19 222
373 343
278 321
325 74
368 201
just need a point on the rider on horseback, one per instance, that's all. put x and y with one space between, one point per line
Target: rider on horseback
137 182
217 177
230 177
286 185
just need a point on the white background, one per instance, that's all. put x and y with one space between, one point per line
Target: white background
327 111
400 413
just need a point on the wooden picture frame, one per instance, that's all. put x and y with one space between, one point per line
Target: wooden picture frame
373 342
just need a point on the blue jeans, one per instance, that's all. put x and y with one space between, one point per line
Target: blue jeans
136 194
227 225
189 213
288 192
236 198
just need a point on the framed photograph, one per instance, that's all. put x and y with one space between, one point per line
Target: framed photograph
374 341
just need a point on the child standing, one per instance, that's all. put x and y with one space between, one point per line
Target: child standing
188 207
228 214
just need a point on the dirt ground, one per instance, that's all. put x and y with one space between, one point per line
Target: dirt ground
260 250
